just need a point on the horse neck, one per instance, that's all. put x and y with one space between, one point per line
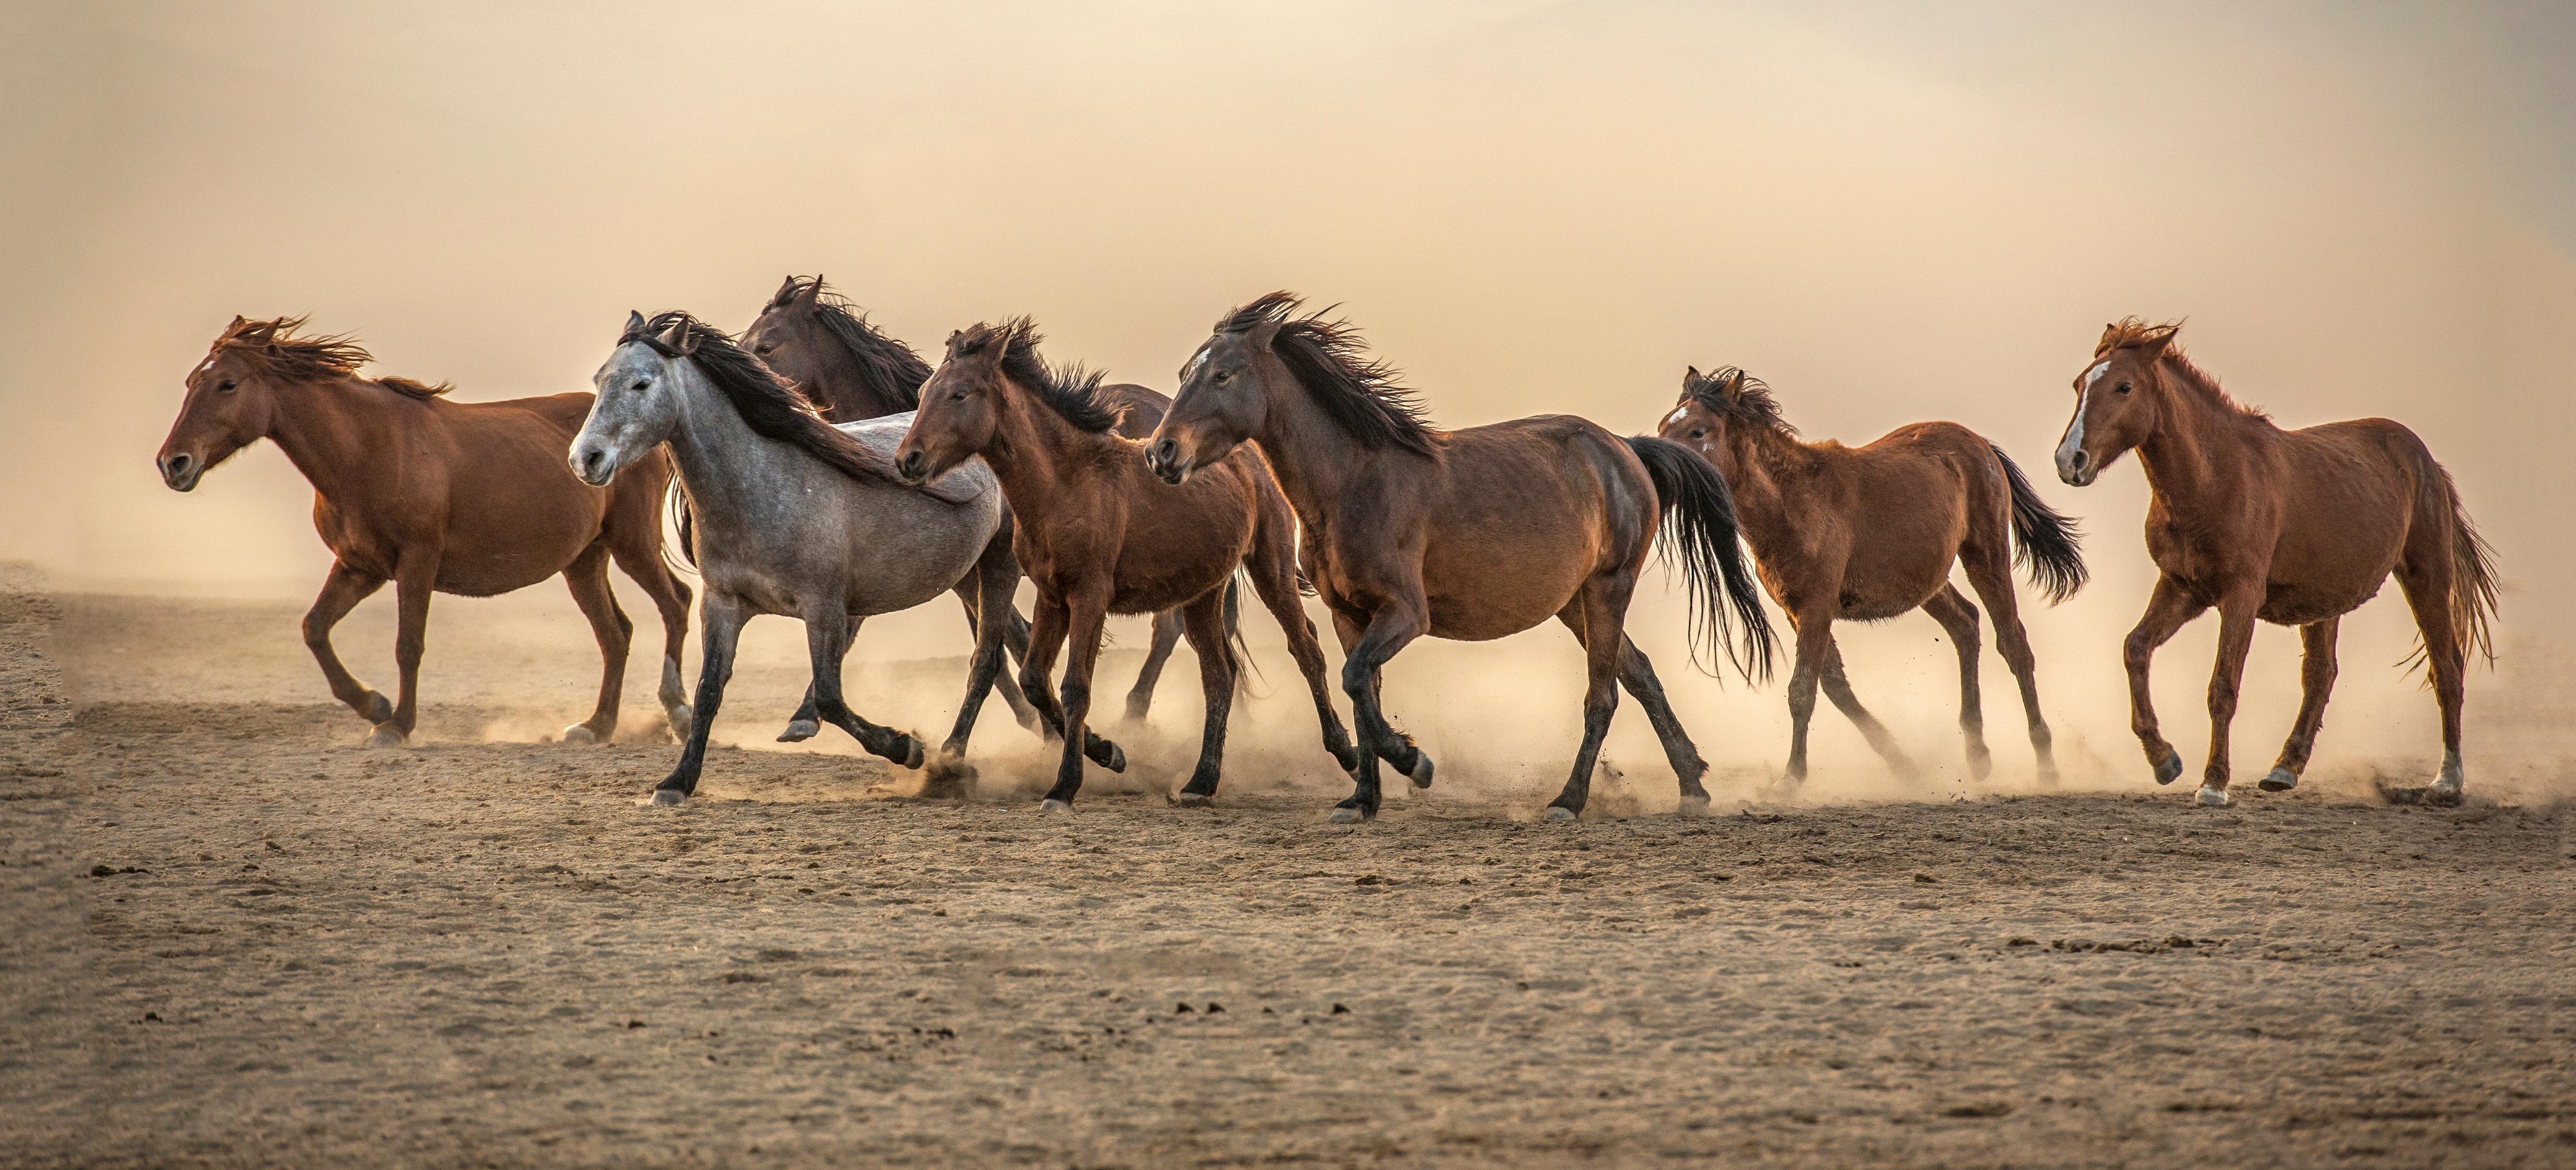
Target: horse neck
2196 441
1310 455
1032 448
333 430
1764 456
848 394
728 468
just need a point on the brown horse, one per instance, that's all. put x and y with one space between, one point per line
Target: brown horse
1098 537
853 371
2297 528
1471 534
470 498
1844 534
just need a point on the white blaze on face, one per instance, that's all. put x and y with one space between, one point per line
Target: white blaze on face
1192 370
1679 413
2074 440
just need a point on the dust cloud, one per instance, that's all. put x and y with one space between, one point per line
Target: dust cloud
1889 213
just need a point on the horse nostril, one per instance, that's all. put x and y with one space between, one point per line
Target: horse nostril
1167 452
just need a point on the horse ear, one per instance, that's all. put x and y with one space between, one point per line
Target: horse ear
634 322
1735 385
1263 334
236 326
2153 345
676 338
786 290
810 293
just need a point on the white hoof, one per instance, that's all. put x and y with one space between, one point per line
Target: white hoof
2213 797
2278 780
2448 787
681 720
1345 816
579 735
1054 806
1693 806
667 797
1558 812
385 737
1421 773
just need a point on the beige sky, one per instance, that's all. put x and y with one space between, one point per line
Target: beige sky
1890 212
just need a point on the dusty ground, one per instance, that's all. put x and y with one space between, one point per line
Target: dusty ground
234 937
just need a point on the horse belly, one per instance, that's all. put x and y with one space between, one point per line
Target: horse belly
1478 599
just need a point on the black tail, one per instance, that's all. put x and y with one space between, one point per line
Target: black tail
675 504
1699 532
2047 543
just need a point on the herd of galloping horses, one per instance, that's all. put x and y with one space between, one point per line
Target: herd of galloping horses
820 469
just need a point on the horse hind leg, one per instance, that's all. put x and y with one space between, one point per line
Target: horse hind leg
828 635
1958 618
1167 634
2316 682
1595 617
1838 689
588 578
2427 582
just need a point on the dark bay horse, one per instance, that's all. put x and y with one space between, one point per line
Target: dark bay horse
1868 533
1098 536
2297 528
1472 534
470 498
852 370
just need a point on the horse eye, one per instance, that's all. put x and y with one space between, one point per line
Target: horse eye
2124 387
1222 375
764 347
224 387
959 396
1699 432
641 383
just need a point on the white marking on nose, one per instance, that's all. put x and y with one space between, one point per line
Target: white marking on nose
2074 440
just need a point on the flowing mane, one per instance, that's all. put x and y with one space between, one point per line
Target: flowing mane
2131 332
274 346
1360 393
1070 390
770 406
1730 393
886 364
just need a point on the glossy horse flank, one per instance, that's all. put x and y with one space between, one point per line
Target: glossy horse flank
818 340
1098 536
797 517
2297 528
1471 534
1868 533
469 498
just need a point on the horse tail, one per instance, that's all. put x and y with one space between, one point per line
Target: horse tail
675 504
1235 647
2045 541
2473 580
1700 533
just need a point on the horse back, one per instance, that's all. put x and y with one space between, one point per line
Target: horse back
1522 513
513 513
1141 409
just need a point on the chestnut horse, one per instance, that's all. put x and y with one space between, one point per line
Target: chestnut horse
1845 534
470 498
2297 528
1472 534
853 371
1097 537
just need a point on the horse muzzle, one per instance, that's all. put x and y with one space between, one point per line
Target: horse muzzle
181 471
1164 460
2078 469
592 466
912 467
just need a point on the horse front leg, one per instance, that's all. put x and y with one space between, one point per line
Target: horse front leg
1085 615
1389 630
828 634
2316 683
341 592
1204 621
950 774
2168 607
415 578
720 617
2226 679
1815 638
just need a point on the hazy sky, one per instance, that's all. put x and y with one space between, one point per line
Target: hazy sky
1890 211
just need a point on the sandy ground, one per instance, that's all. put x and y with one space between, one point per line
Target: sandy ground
235 937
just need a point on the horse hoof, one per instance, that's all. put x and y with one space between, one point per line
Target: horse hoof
1188 799
1560 813
1054 806
1117 761
385 737
667 797
1136 711
2213 797
579 735
2171 769
910 747
1346 815
379 708
800 730
1694 805
948 778
1981 764
681 720
1421 772
2278 780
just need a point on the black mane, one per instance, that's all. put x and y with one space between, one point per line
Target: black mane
1751 402
889 367
1070 390
770 406
1361 394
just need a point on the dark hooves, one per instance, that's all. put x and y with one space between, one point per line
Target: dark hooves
905 750
379 708
1106 754
669 796
2278 780
800 730
2170 770
1421 769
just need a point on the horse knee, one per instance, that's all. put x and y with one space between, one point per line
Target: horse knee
1076 695
2136 651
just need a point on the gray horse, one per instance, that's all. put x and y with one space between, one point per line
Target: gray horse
798 517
